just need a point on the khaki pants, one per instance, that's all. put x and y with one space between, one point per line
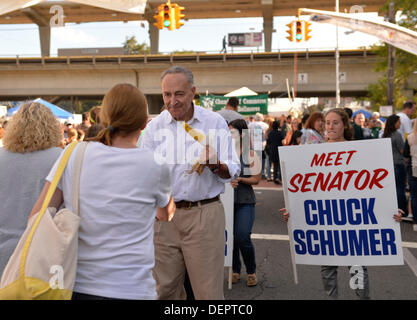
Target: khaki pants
195 239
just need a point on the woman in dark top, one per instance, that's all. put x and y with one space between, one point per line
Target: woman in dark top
275 138
244 205
392 125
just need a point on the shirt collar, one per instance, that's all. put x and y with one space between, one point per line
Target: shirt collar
197 116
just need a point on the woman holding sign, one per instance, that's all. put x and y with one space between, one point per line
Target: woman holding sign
338 129
244 205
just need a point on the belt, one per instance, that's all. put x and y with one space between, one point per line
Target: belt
188 204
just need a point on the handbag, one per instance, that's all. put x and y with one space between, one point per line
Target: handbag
43 265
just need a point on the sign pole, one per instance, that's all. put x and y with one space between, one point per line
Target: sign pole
284 188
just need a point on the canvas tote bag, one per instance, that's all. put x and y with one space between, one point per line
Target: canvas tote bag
43 265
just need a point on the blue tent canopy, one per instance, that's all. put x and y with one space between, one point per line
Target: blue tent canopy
367 114
57 111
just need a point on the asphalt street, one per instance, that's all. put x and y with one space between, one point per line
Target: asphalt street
274 269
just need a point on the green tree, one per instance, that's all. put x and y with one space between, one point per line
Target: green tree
131 46
405 62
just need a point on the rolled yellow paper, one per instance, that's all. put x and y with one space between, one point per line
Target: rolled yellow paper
199 137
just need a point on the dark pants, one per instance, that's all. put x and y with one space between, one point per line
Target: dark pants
400 179
277 170
244 216
412 182
84 296
329 277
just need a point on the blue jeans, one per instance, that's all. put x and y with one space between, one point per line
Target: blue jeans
244 216
400 179
412 182
268 165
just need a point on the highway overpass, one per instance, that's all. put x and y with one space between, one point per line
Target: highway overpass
92 76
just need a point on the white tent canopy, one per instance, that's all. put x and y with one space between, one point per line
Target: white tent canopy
128 6
244 91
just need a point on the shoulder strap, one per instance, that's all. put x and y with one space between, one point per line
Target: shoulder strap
79 157
57 177
45 204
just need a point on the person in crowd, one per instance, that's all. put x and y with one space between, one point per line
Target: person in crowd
258 129
391 131
406 128
1 136
196 235
67 126
30 150
375 126
117 207
72 135
229 113
304 122
244 206
93 130
314 132
94 115
268 163
293 128
359 128
296 138
338 129
80 135
410 154
85 124
275 139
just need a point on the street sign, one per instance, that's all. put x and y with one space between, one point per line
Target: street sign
302 78
252 39
267 78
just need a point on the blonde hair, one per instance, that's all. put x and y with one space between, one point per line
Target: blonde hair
32 128
72 133
124 110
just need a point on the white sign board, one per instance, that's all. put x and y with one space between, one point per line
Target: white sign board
385 111
341 198
3 111
227 199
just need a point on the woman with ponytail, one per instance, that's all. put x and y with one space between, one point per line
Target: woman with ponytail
122 191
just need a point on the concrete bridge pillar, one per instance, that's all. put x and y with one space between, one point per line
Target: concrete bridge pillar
44 29
153 30
268 16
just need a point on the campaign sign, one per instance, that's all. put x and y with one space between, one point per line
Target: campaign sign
341 198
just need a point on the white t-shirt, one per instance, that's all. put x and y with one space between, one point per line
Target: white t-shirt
258 129
406 125
119 192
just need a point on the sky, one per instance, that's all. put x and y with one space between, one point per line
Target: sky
196 35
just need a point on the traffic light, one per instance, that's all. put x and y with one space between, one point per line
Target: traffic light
307 30
178 16
159 17
298 31
169 16
290 31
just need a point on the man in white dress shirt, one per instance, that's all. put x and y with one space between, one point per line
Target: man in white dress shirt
406 128
195 237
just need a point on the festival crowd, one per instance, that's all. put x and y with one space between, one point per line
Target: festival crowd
156 230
